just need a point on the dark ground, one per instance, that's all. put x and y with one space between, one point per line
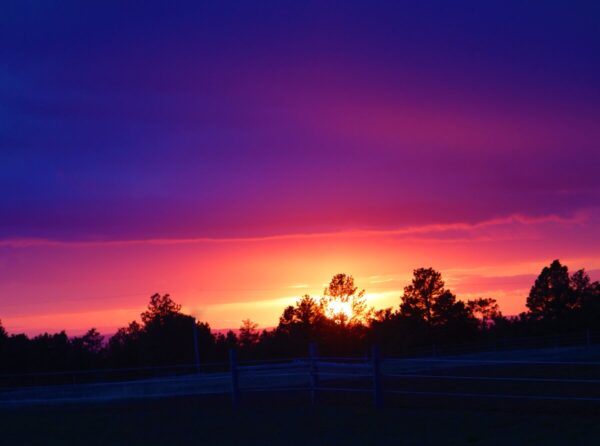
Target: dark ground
271 419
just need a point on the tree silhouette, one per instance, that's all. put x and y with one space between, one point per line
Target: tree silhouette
299 324
87 349
551 296
485 309
434 313
227 341
165 337
421 296
3 333
586 293
340 323
586 298
304 316
160 308
124 346
92 341
343 302
249 334
446 309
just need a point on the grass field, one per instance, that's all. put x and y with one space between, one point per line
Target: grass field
271 419
551 400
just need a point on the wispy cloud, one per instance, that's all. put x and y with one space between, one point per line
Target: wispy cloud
421 232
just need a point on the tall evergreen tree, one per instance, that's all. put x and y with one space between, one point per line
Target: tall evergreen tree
551 297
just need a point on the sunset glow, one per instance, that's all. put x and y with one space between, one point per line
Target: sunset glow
337 309
238 157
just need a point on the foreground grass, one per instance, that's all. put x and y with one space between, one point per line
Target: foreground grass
290 420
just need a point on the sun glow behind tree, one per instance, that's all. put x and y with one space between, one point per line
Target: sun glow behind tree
338 310
343 302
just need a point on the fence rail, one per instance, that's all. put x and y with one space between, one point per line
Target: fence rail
544 377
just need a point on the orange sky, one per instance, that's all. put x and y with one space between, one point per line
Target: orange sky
74 286
238 156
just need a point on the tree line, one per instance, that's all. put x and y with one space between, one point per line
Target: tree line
340 323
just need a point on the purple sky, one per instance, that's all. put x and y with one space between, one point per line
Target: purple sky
237 120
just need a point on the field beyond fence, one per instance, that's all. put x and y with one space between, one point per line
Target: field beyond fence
566 373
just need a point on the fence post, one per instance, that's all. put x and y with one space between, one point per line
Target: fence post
235 387
377 389
196 350
314 378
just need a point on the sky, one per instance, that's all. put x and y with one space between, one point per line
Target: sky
237 155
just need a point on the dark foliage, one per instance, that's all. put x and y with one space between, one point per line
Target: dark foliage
340 323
